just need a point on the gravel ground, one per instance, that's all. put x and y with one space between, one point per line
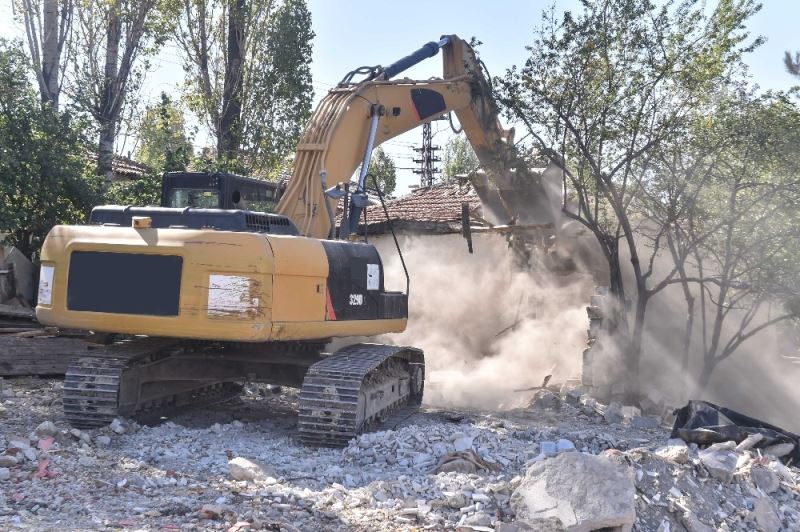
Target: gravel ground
238 466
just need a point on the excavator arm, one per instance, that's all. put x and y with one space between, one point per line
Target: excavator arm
353 119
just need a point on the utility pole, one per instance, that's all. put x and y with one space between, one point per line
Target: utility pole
427 158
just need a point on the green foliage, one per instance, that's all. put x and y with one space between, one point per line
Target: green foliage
143 192
730 194
111 43
274 85
749 204
162 133
603 89
279 98
459 158
45 175
383 168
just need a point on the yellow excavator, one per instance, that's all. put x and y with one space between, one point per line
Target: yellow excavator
216 297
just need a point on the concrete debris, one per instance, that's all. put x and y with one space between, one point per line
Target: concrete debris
765 515
118 426
645 422
613 414
211 511
8 461
179 474
692 524
478 520
675 450
720 460
573 396
565 445
546 400
650 406
87 461
779 450
631 411
583 492
765 479
80 435
548 448
463 443
749 442
18 442
45 429
244 469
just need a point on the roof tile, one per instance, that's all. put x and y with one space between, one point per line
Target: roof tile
438 204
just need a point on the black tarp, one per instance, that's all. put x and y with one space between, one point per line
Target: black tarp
705 423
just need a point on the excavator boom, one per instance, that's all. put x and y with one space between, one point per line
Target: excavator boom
338 136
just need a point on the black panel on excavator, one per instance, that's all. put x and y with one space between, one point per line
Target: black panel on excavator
427 102
355 280
394 305
124 283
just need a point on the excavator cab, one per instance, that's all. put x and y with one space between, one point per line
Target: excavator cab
218 190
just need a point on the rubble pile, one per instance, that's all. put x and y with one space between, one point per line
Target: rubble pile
568 463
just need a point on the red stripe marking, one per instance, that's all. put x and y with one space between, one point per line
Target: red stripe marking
416 113
330 313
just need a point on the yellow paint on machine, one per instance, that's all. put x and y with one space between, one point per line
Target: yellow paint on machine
235 286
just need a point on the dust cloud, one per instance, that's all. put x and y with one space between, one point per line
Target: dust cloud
759 379
486 327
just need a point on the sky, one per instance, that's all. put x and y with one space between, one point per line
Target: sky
352 33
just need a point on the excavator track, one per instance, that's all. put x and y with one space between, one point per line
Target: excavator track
356 389
92 390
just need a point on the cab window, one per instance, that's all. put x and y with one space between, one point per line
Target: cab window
203 198
253 198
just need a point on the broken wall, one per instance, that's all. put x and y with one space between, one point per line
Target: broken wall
16 276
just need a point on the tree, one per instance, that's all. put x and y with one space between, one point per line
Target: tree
459 158
249 76
747 266
45 178
383 168
48 27
162 133
112 37
600 91
142 192
720 199
792 63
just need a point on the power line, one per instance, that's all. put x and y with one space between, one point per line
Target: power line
427 158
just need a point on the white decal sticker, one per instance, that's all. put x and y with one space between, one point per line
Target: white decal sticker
373 277
229 295
356 299
46 285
